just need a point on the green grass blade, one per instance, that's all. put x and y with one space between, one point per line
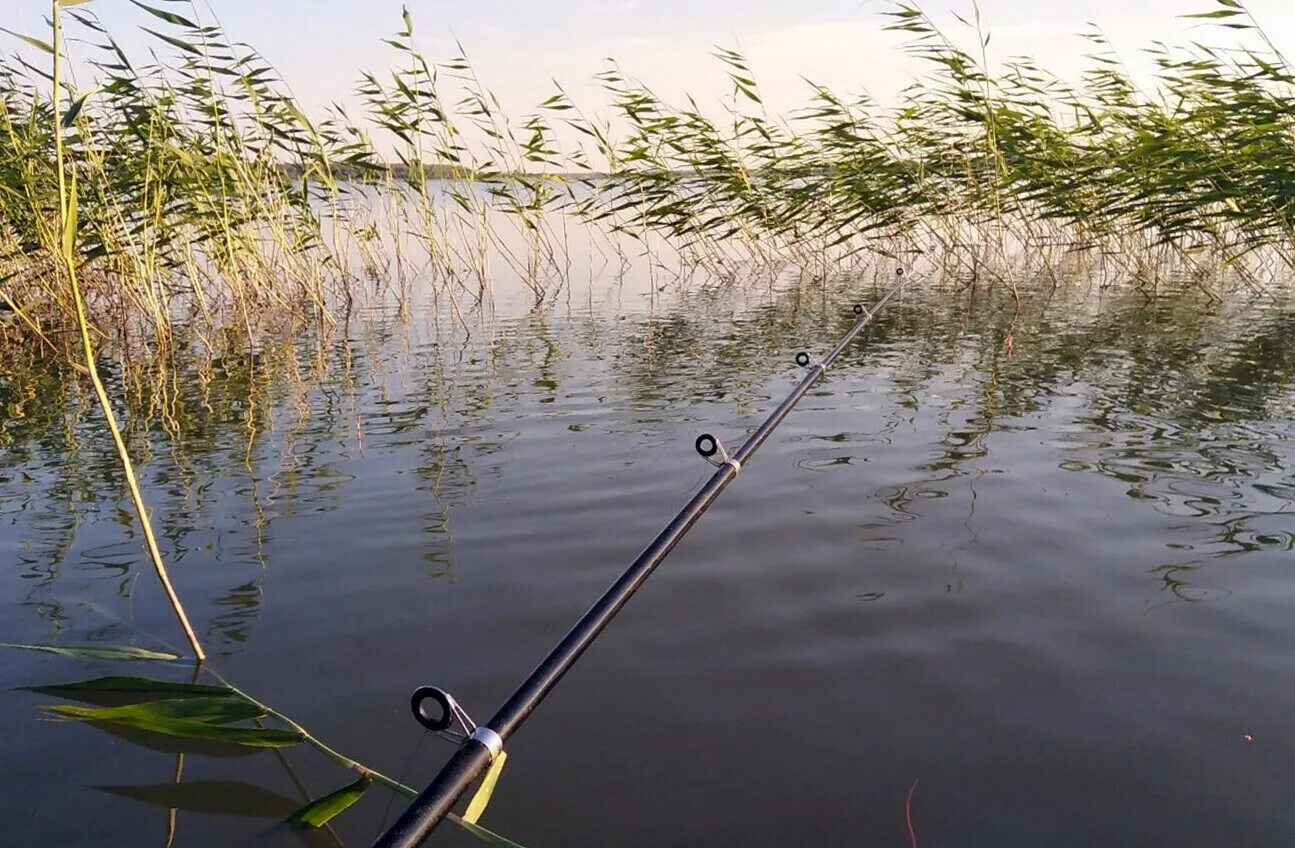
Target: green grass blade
170 17
70 116
96 652
141 686
224 710
165 721
174 42
321 812
34 42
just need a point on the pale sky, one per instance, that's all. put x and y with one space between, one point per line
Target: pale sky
517 46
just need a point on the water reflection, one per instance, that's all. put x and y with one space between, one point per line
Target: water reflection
305 492
1183 399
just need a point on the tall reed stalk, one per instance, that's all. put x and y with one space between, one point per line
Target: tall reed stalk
67 193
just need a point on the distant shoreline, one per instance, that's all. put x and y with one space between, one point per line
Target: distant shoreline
444 173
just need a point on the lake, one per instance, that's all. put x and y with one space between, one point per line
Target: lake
1023 576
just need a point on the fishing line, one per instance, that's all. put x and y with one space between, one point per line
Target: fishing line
481 747
402 776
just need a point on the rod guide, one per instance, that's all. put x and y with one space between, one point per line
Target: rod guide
435 722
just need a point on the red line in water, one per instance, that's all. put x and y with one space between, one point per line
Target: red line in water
908 814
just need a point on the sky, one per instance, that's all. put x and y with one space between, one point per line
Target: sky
518 48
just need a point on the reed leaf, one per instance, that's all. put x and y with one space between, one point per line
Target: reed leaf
206 709
97 652
142 687
182 719
321 812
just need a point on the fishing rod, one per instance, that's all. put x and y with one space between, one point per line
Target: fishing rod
482 746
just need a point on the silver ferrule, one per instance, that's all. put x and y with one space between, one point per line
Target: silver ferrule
493 742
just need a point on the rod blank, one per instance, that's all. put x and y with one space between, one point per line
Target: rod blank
473 757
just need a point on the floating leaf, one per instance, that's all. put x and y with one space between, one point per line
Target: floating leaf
96 652
321 812
135 686
194 718
226 710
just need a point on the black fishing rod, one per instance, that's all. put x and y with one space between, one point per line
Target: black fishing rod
480 746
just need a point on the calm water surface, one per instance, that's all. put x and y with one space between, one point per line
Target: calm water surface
1039 561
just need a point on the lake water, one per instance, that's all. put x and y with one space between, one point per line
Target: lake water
1038 561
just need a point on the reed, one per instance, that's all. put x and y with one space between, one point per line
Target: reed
68 218
211 207
988 162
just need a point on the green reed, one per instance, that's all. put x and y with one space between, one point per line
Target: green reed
973 158
210 202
